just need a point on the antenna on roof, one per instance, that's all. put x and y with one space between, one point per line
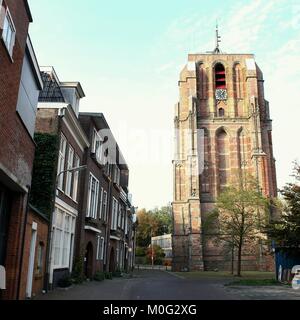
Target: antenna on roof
218 40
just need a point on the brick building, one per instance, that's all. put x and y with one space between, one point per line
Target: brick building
222 95
35 249
105 225
20 83
61 144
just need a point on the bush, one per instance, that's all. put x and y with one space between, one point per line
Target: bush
65 282
78 274
117 274
99 276
140 252
108 275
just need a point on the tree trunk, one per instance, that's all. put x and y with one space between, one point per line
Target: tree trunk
239 266
232 260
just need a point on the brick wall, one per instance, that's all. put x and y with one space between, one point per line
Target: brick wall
14 138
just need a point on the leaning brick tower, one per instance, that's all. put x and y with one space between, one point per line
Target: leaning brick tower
222 96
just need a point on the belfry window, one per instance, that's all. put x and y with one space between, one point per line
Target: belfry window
221 112
220 76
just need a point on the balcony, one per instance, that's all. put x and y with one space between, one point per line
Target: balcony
222 115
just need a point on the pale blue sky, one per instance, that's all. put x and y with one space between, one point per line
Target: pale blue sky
128 54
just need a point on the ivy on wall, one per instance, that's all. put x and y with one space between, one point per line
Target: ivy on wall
44 172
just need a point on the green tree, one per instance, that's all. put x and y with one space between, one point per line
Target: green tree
285 230
165 220
153 223
147 227
239 217
157 253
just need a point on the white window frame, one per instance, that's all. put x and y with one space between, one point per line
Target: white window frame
9 45
117 174
92 208
76 178
97 146
64 235
126 225
105 205
100 248
108 167
114 214
101 204
70 165
61 162
119 215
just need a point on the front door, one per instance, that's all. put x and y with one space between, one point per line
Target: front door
88 261
31 261
112 261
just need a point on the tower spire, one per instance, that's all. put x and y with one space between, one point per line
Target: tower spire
218 40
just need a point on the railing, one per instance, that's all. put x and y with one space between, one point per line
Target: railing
224 115
155 267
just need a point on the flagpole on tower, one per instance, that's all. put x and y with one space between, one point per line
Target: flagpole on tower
218 39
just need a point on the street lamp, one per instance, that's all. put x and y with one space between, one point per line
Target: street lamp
76 169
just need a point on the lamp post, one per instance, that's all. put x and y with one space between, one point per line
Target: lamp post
49 254
152 250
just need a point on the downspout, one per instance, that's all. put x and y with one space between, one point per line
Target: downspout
108 223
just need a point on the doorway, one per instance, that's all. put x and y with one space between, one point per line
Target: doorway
31 261
112 261
88 261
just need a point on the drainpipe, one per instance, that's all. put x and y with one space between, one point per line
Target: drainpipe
109 200
23 243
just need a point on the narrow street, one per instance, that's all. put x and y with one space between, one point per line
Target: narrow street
160 285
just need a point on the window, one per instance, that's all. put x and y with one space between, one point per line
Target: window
40 258
117 173
119 216
9 32
123 219
221 112
100 248
93 197
107 169
76 178
126 225
63 226
220 76
223 158
66 240
105 206
61 161
69 174
97 146
114 215
101 204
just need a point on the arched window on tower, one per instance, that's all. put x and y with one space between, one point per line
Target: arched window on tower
221 112
238 81
202 82
205 178
223 158
242 149
220 76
